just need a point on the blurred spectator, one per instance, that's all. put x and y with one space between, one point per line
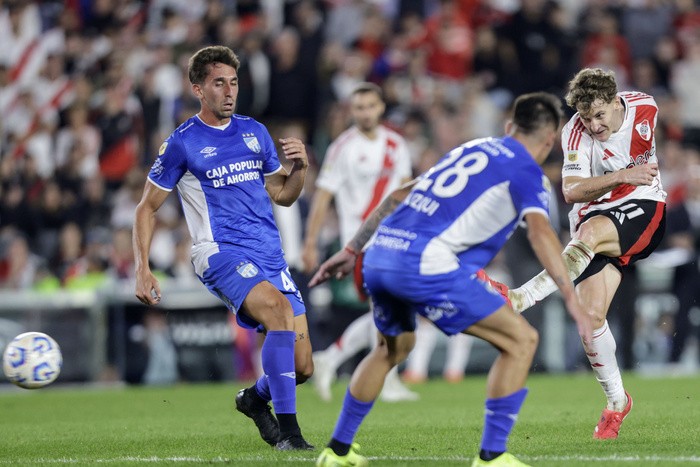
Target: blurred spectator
606 39
120 121
78 143
644 23
683 234
292 90
19 267
344 22
536 45
126 198
685 79
121 258
69 254
50 214
254 76
449 42
93 210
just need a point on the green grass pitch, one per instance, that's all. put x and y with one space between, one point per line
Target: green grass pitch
196 424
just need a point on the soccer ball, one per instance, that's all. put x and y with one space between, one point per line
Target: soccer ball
32 360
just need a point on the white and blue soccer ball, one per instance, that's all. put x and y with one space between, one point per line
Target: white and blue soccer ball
32 360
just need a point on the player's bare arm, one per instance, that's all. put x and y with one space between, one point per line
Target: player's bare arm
147 286
343 262
317 215
582 190
547 248
284 187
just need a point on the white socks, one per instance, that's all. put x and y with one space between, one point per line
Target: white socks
601 355
419 358
361 334
577 256
459 347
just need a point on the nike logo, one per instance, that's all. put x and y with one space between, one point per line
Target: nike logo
291 374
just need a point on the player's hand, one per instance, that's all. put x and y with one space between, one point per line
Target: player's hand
295 151
339 265
147 288
582 319
641 174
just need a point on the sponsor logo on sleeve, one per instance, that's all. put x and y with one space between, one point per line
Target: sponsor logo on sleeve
157 167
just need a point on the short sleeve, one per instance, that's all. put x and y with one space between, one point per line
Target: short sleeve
170 165
404 168
530 191
271 162
577 147
333 172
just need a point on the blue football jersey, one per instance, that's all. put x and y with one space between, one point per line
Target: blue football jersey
462 211
220 179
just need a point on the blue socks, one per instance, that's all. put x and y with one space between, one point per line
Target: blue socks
279 382
351 416
501 414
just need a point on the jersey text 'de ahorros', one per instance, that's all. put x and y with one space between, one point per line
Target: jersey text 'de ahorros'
202 161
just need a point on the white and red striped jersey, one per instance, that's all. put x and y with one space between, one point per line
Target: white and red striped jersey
633 144
360 172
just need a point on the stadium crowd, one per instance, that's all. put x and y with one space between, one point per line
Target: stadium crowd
89 89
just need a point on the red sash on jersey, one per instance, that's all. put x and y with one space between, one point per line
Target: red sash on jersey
377 196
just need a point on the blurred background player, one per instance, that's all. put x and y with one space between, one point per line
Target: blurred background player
611 173
364 164
435 234
457 350
226 170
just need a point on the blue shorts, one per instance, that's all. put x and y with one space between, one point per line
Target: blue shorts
231 275
452 301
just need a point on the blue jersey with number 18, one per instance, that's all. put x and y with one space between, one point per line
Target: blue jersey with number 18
220 177
462 211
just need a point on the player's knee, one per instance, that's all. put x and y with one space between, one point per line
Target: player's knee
277 314
597 318
596 307
589 233
398 353
532 339
528 339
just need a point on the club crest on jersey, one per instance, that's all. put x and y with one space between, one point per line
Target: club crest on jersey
209 151
247 270
644 130
252 142
572 156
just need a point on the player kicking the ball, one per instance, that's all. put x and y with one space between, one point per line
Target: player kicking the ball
611 172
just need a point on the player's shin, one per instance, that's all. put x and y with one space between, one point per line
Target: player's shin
278 364
601 355
577 256
351 416
500 417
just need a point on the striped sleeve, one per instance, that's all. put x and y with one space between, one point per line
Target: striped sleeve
576 147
